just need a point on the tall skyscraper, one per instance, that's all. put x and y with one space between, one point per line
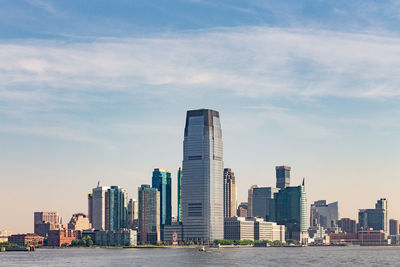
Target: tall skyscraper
325 215
179 195
250 200
202 176
393 227
132 213
90 207
161 180
99 207
375 218
290 209
262 201
282 176
149 214
116 208
230 202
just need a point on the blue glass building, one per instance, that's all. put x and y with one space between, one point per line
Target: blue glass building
116 212
162 182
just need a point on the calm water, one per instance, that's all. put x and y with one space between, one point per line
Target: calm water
309 256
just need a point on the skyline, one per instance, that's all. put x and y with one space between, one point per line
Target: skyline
89 93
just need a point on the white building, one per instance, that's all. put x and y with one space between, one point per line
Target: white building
99 208
238 228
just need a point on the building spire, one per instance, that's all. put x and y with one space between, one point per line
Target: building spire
304 180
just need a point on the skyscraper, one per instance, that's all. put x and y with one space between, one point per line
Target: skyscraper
348 225
99 207
149 214
116 212
230 202
161 180
262 201
250 200
46 221
179 195
282 176
202 176
90 207
393 227
132 213
325 215
375 218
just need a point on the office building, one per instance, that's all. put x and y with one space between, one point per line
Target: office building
242 209
262 201
174 232
161 180
282 176
202 176
24 240
289 208
250 200
179 195
99 207
58 238
325 215
267 230
375 218
230 202
149 214
90 207
347 225
132 214
123 237
45 221
238 228
393 227
116 209
79 222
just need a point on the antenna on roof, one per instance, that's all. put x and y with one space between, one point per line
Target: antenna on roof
98 183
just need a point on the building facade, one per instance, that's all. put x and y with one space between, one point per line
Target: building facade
116 210
45 221
238 228
202 176
242 209
26 240
99 207
149 214
250 200
90 207
123 237
179 195
348 225
375 218
58 238
161 180
325 215
132 214
79 222
262 201
230 202
393 227
282 176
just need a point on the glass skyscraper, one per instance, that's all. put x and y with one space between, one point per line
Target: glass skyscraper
202 176
162 182
282 176
375 218
179 194
116 215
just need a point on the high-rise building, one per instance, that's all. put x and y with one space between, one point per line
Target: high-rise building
290 209
149 214
348 225
90 207
250 200
99 207
242 209
161 180
394 227
202 176
325 215
262 201
46 221
282 176
375 218
79 222
116 215
230 202
179 195
132 213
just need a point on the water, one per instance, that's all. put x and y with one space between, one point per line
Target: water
308 256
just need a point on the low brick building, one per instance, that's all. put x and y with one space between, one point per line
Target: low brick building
24 240
365 237
57 238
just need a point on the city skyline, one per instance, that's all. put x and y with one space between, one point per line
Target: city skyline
308 85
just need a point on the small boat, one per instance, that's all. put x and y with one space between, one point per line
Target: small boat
202 249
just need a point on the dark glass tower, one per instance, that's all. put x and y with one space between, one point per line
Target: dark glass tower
162 182
179 193
282 176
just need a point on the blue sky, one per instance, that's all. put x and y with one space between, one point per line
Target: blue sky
98 90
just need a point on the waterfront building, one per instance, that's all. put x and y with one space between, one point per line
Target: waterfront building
202 176
393 227
132 214
250 200
90 207
375 218
45 221
364 237
238 228
179 195
4 236
282 176
99 207
116 211
270 231
149 214
242 209
161 180
123 237
325 215
58 238
230 202
347 225
79 222
24 240
262 201
289 208
174 232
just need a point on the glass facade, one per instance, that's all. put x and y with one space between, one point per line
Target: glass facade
161 180
282 176
179 195
116 215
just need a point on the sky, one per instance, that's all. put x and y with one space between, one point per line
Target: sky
98 91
